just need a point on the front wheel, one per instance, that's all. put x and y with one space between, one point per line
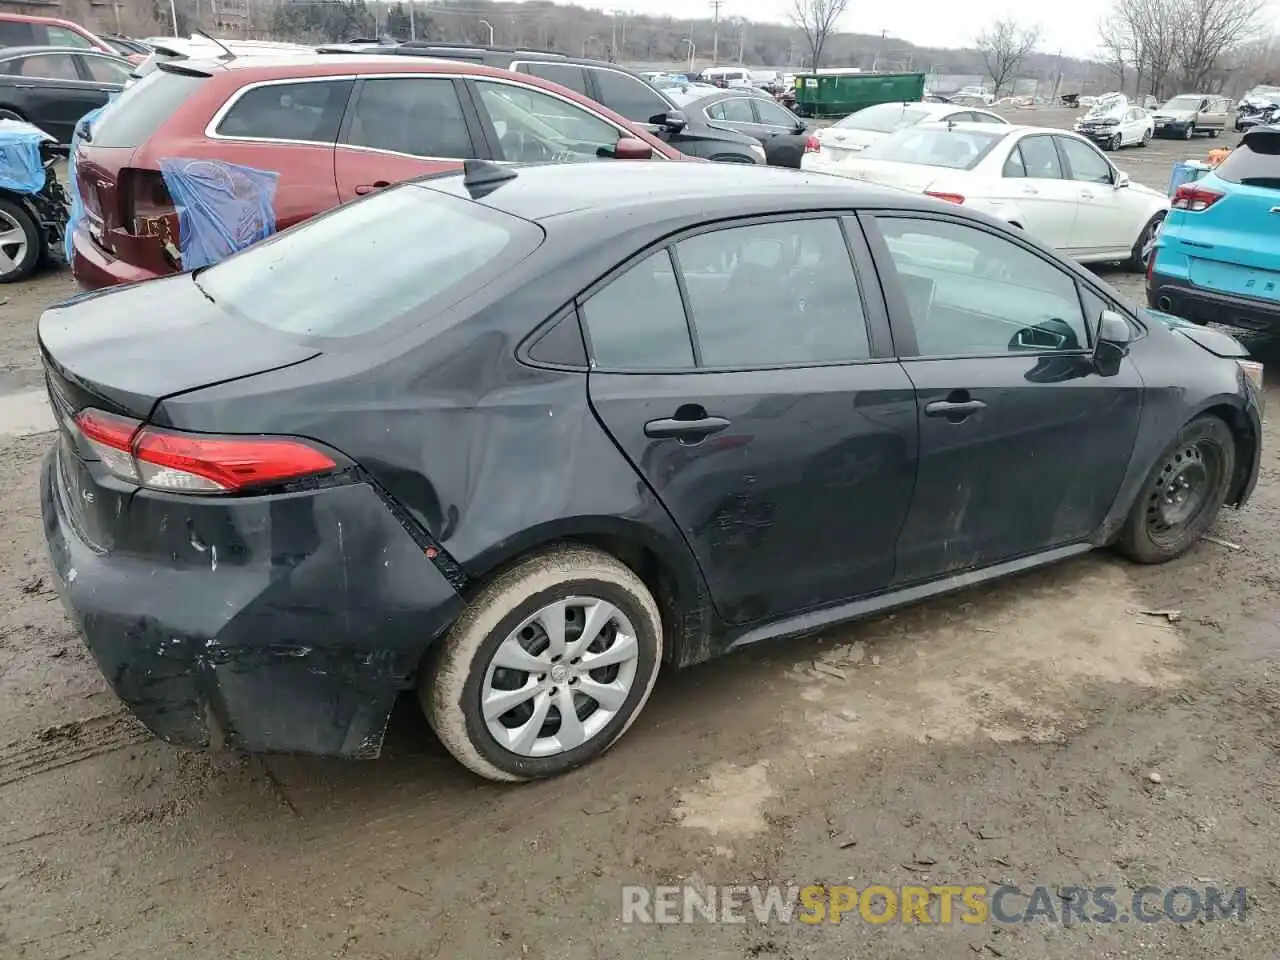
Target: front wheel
547 667
1116 142
1146 137
1188 131
1182 495
20 242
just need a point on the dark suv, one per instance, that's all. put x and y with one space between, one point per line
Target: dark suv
617 88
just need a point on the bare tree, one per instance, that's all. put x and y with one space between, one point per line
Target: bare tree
1213 30
1119 47
816 18
1005 46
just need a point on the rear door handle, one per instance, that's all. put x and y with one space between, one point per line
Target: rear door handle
1086 196
1030 191
954 410
687 431
364 188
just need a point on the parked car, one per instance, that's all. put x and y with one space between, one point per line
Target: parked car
620 90
859 130
1116 123
135 51
33 204
757 115
1257 106
333 128
53 87
1216 258
301 504
1190 113
1054 184
19 30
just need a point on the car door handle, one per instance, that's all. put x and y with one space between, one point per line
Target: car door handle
1030 191
686 431
954 410
1086 196
364 188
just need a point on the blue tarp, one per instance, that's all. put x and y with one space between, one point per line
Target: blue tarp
222 207
21 169
73 186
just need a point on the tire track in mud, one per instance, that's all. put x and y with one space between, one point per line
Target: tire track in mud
68 744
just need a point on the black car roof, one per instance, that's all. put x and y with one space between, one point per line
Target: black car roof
654 190
8 53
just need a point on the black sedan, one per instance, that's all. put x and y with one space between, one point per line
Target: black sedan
53 87
630 415
780 130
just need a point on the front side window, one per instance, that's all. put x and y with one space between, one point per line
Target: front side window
632 98
1087 165
103 70
61 37
420 116
737 110
774 115
567 75
973 293
310 112
533 126
638 322
771 293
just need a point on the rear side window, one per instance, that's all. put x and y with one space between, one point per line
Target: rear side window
567 75
310 112
62 37
49 66
632 98
414 115
16 34
141 109
637 322
1255 162
313 281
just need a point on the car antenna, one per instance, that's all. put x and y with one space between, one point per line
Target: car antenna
481 177
229 56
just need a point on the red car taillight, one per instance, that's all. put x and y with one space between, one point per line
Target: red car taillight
813 145
196 463
144 199
1194 198
948 197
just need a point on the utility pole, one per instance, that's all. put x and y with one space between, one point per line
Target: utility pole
413 27
715 32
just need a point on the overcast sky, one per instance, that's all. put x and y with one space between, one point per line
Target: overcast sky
935 23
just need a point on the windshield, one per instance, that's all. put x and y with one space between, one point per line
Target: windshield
935 147
883 118
1183 103
311 281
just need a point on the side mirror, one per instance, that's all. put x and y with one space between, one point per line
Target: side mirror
1114 337
632 148
1114 329
673 120
801 126
1122 179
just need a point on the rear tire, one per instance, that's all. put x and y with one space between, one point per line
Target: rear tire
1188 132
505 643
1182 495
21 244
8 113
1146 137
1116 142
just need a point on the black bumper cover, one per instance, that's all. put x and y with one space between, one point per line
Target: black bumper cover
295 637
1194 303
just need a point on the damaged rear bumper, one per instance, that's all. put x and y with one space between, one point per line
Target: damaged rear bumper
289 626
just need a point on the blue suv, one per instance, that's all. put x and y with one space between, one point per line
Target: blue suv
1218 257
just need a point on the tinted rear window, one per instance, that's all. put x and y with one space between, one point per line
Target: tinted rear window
15 33
1256 162
310 111
140 109
314 281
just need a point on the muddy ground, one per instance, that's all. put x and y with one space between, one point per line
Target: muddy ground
1002 735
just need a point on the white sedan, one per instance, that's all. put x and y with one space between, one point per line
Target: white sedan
1055 185
859 130
1122 126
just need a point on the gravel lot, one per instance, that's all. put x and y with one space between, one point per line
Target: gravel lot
1006 734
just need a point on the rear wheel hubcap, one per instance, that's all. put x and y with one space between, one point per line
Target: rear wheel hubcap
13 244
560 677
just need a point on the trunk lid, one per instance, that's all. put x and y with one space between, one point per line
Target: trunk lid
905 176
126 349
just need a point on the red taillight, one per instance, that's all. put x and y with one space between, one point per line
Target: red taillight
813 145
144 201
1193 198
948 197
195 463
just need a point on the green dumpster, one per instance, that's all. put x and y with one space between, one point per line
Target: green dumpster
838 94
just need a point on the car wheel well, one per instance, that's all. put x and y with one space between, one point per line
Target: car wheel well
5 108
1246 444
730 158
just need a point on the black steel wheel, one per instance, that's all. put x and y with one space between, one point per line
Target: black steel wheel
1183 493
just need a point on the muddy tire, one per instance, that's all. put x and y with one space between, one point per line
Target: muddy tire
569 631
1182 495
